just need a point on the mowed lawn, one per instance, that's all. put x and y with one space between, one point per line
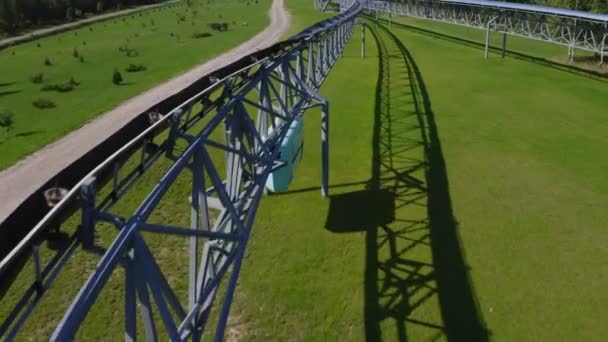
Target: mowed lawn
500 203
162 40
468 203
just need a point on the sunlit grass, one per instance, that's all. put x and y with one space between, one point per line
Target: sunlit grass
167 41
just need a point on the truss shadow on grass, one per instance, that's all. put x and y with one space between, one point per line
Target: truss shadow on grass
416 276
367 208
595 75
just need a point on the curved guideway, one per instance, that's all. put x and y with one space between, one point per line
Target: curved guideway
22 179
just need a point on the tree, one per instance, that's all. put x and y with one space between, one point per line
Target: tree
10 16
117 77
6 121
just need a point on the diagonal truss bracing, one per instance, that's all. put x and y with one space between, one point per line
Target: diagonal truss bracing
243 118
577 30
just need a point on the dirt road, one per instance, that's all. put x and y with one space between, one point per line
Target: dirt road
22 179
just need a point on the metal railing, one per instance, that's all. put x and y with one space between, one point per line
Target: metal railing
574 29
251 109
246 115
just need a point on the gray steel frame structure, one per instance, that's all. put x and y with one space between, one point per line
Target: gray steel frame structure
252 109
574 29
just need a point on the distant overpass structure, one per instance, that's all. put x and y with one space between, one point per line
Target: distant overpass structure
574 29
239 128
570 28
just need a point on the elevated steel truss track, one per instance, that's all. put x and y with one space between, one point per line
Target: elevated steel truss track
243 117
574 29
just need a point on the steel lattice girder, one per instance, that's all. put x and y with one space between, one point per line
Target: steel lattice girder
251 154
252 110
580 33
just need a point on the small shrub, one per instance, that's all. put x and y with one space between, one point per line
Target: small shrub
47 62
81 59
75 53
199 35
44 104
84 42
38 45
117 77
132 53
60 88
136 68
219 27
37 78
128 51
91 29
7 120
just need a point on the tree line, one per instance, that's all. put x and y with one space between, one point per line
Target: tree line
20 14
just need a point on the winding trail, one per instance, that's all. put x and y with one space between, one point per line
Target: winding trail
25 177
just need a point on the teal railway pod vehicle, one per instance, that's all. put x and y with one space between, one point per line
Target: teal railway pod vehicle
290 154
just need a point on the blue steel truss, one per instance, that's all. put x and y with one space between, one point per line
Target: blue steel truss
246 116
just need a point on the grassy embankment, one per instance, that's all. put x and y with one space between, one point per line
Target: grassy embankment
165 41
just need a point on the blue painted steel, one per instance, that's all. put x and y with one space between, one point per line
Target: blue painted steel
319 27
290 154
251 158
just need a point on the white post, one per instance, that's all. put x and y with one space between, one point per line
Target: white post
362 40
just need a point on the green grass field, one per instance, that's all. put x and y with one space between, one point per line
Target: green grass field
468 203
160 39
500 201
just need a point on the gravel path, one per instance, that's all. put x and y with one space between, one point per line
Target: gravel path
22 179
